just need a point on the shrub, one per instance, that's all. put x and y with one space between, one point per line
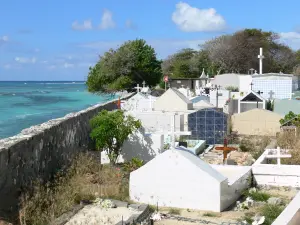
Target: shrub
258 196
210 214
86 179
271 212
174 211
133 164
246 145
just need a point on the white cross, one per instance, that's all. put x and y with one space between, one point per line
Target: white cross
138 88
261 57
271 94
278 156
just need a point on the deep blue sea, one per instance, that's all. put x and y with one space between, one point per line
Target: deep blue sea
27 103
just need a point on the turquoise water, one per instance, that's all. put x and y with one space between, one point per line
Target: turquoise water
23 104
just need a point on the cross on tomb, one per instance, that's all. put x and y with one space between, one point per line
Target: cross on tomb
144 83
278 154
271 94
259 92
251 85
225 149
138 88
260 57
118 103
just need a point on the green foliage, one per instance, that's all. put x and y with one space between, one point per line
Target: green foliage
117 70
210 214
188 63
133 164
271 212
292 117
110 130
246 145
174 211
258 196
270 105
238 52
232 88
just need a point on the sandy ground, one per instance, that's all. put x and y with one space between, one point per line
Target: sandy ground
95 215
226 216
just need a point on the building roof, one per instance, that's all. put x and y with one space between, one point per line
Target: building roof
203 104
253 93
272 76
284 106
199 98
179 94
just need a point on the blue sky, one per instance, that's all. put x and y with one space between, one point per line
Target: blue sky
59 40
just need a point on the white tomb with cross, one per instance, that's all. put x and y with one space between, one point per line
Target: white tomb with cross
138 88
277 154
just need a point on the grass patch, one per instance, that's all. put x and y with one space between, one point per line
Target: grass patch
210 214
254 145
271 212
174 211
258 196
85 179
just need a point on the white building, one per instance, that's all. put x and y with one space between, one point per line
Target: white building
273 85
218 98
251 101
139 102
173 100
240 81
178 178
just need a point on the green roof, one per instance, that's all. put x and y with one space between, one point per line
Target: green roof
284 106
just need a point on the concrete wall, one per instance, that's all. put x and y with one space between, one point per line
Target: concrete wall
291 214
256 122
275 175
237 183
143 145
40 151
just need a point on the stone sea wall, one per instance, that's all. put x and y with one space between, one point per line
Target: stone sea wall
42 150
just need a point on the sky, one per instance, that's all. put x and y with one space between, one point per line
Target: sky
59 40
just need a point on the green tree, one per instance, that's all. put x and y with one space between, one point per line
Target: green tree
187 63
110 130
120 69
292 118
238 52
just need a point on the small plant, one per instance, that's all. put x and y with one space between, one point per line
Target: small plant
256 195
232 88
210 214
167 146
271 212
174 211
133 164
246 145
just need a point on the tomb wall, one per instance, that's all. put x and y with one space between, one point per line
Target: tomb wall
40 151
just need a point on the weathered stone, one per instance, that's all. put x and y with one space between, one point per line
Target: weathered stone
118 203
40 151
274 201
241 158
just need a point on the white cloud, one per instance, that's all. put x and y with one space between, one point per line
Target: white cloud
25 60
163 47
4 38
191 19
107 21
68 65
291 39
86 25
130 25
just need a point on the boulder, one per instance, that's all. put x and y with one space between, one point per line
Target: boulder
274 201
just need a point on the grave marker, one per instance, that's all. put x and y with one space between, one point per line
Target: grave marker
225 150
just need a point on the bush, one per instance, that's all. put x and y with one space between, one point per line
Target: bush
258 196
246 145
133 164
174 211
271 212
86 179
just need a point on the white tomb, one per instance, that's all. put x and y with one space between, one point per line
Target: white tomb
178 178
273 85
186 92
241 81
139 102
173 100
218 98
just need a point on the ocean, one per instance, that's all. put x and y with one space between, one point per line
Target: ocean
27 103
